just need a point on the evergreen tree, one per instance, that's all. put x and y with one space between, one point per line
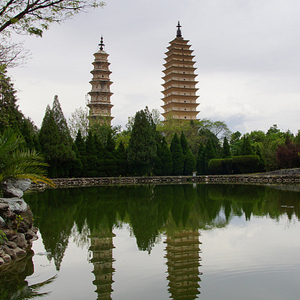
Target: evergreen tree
166 159
91 156
200 160
226 149
189 160
177 156
141 151
189 163
61 122
246 146
59 156
10 116
209 153
121 159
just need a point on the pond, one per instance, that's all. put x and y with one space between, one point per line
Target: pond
162 242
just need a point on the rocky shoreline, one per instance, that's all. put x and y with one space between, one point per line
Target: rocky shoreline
17 232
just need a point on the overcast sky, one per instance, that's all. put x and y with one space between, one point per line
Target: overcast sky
247 56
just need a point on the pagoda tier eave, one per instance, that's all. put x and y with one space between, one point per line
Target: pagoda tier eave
181 112
171 75
98 103
174 97
178 81
108 72
100 93
184 63
180 68
180 104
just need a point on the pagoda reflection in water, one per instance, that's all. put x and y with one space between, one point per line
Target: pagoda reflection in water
102 251
183 263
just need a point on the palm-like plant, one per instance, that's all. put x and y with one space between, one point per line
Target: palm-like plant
18 162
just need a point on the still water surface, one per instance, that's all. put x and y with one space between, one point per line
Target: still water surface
163 242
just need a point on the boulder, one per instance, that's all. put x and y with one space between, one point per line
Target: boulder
16 187
20 240
11 244
2 222
10 252
1 261
6 258
20 252
15 204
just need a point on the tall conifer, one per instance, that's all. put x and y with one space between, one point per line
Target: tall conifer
177 156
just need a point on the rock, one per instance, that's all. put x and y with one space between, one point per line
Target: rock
20 252
6 258
10 252
30 235
35 230
20 240
9 233
4 206
11 244
15 204
23 227
1 261
2 222
16 188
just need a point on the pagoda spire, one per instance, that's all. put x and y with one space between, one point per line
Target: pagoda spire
101 43
178 30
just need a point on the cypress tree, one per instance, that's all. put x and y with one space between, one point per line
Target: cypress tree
51 145
246 146
226 149
91 156
166 159
61 122
209 153
141 151
121 159
177 156
200 160
189 160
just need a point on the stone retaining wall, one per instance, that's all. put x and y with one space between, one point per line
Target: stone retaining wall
98 181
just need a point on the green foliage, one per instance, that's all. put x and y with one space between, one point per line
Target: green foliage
226 149
177 156
19 162
56 146
246 164
34 16
141 151
3 237
200 165
220 166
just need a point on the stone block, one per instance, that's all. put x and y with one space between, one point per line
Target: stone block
6 258
20 252
20 240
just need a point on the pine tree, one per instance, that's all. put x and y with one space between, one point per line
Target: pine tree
141 151
121 159
189 160
177 156
91 156
209 153
246 146
200 160
226 149
59 155
166 159
61 122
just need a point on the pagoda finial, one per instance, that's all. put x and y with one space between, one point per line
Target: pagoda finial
178 30
101 43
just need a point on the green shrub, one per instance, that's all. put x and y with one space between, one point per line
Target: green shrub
222 166
245 164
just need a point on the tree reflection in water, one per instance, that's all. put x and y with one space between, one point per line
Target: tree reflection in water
178 211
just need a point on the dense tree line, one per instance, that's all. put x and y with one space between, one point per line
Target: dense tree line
147 146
